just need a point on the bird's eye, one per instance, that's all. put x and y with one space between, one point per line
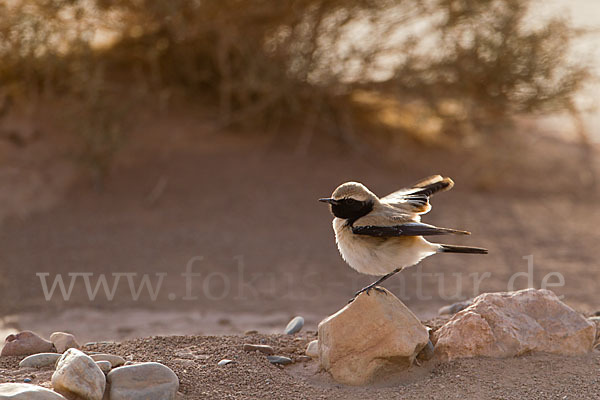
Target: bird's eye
351 201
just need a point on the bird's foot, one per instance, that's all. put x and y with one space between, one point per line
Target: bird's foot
366 290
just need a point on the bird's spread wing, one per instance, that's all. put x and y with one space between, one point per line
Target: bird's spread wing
407 229
415 199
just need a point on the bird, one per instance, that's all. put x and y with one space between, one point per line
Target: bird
382 236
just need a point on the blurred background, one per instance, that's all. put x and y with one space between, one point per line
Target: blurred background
150 138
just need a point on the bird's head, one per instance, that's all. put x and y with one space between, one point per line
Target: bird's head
351 200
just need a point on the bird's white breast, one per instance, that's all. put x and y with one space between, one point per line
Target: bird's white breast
379 256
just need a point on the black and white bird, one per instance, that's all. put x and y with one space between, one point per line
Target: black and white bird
383 236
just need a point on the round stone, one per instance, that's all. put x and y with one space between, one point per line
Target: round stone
39 360
279 360
27 391
312 349
143 381
63 341
114 360
78 375
294 326
25 343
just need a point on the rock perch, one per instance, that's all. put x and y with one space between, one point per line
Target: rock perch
370 339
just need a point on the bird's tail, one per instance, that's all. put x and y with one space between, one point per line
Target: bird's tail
450 248
431 185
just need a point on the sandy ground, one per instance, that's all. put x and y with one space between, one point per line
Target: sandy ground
194 359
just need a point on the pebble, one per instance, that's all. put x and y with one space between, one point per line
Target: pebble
251 332
225 361
63 341
312 350
25 343
27 391
279 360
294 326
427 352
303 358
104 366
114 360
78 375
39 360
143 381
263 348
101 342
454 308
27 380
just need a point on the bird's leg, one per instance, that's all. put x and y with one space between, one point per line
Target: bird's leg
374 284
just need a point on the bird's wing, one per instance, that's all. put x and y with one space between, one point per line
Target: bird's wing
406 229
415 199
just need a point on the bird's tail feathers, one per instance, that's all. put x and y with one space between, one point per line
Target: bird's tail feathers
432 184
451 248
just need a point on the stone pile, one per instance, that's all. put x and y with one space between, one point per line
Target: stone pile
82 376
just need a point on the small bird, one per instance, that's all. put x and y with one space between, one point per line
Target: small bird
383 236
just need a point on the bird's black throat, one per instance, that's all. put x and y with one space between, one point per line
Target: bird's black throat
351 209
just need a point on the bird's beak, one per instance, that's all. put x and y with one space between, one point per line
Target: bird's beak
328 200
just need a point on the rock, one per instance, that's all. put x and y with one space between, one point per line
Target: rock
263 348
63 341
39 360
26 391
294 326
78 375
25 343
251 332
303 358
312 350
27 380
427 353
515 323
454 308
144 381
224 362
369 339
114 360
104 366
280 360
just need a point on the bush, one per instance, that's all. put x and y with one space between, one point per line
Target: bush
461 65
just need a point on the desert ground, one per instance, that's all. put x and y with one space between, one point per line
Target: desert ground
194 360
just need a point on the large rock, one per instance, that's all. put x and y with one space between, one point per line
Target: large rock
515 323
78 375
63 341
27 391
144 381
371 338
25 343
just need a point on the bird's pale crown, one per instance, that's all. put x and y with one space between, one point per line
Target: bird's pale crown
353 190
